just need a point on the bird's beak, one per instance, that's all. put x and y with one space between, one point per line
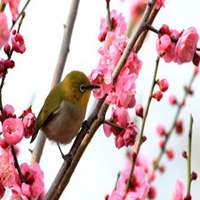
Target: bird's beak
91 87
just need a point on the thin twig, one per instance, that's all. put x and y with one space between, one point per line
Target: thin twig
143 123
189 156
68 29
108 15
170 131
114 125
95 120
20 14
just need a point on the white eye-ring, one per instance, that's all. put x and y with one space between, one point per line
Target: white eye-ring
82 88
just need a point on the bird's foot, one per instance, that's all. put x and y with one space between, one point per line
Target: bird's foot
85 124
67 157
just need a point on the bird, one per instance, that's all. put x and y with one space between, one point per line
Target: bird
64 109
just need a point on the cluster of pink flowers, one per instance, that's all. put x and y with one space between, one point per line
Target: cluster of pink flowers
32 186
139 183
179 47
13 131
122 93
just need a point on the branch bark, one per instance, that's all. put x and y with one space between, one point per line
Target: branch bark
95 120
64 50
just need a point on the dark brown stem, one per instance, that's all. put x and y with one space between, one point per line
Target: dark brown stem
110 123
64 50
97 116
108 15
17 164
170 131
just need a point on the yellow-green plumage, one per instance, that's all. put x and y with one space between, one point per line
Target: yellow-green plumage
64 108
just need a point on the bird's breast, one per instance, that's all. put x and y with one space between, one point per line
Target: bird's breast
65 124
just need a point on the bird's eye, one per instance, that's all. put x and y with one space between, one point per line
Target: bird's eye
82 88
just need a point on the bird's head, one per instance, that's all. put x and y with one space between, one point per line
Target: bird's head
77 88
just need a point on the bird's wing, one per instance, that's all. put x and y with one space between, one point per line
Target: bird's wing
50 108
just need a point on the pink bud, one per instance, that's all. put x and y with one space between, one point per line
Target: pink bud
7 49
172 100
157 95
9 110
139 110
152 192
184 154
3 143
9 64
196 59
162 169
170 154
164 30
161 144
13 130
194 176
179 127
18 44
160 129
163 85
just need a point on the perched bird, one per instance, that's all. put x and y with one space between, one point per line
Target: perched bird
64 108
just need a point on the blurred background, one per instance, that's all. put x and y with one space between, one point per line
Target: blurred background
96 173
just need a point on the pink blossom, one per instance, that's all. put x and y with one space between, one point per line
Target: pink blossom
8 174
186 45
126 136
137 9
4 30
179 191
152 192
2 68
13 4
166 48
124 93
170 154
13 130
29 124
163 85
17 193
18 44
33 187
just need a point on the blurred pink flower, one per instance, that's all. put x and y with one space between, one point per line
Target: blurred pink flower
13 4
172 100
4 30
161 130
17 193
8 174
29 124
186 45
33 188
179 191
13 130
18 44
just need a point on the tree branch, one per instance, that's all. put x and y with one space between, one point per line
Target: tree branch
64 50
95 120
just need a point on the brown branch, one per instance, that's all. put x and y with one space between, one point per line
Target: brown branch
68 29
171 129
95 120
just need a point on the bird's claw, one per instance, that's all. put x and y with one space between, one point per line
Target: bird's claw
67 157
85 124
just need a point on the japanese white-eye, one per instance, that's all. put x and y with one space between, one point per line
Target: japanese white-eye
64 108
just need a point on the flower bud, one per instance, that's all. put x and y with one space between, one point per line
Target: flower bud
170 154
139 110
172 100
157 95
163 85
161 131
